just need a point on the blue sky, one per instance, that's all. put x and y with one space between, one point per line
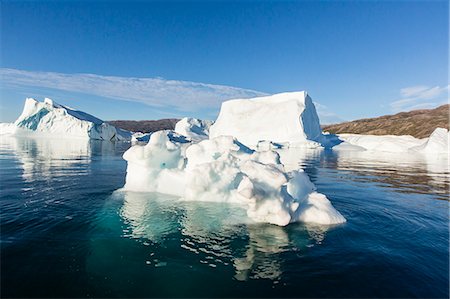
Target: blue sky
149 60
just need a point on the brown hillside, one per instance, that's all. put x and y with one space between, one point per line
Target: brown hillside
145 126
418 123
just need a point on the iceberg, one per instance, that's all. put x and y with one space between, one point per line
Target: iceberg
193 128
347 146
201 161
381 143
437 143
222 169
281 118
53 120
190 129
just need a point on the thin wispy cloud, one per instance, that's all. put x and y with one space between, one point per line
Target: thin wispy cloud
326 115
420 97
163 94
156 92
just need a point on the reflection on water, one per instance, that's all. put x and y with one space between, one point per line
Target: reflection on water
406 172
403 171
218 234
152 222
67 232
207 235
48 158
260 259
211 231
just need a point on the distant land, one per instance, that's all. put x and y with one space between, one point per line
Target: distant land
145 126
418 123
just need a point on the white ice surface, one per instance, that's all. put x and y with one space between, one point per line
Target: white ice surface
347 146
281 118
224 170
437 143
140 137
193 128
381 143
48 119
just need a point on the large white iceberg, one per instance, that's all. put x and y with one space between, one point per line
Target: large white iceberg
51 119
222 169
281 118
197 164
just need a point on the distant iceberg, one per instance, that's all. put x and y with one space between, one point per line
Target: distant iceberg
381 143
53 120
437 143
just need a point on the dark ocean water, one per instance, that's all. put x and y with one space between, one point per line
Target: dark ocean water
67 231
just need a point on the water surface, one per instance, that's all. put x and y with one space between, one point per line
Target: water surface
68 231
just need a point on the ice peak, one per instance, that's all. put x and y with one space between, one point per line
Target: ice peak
52 103
48 101
31 100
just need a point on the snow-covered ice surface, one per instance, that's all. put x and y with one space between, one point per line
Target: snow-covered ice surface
347 146
49 119
437 143
281 118
382 143
222 169
193 128
140 137
189 129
